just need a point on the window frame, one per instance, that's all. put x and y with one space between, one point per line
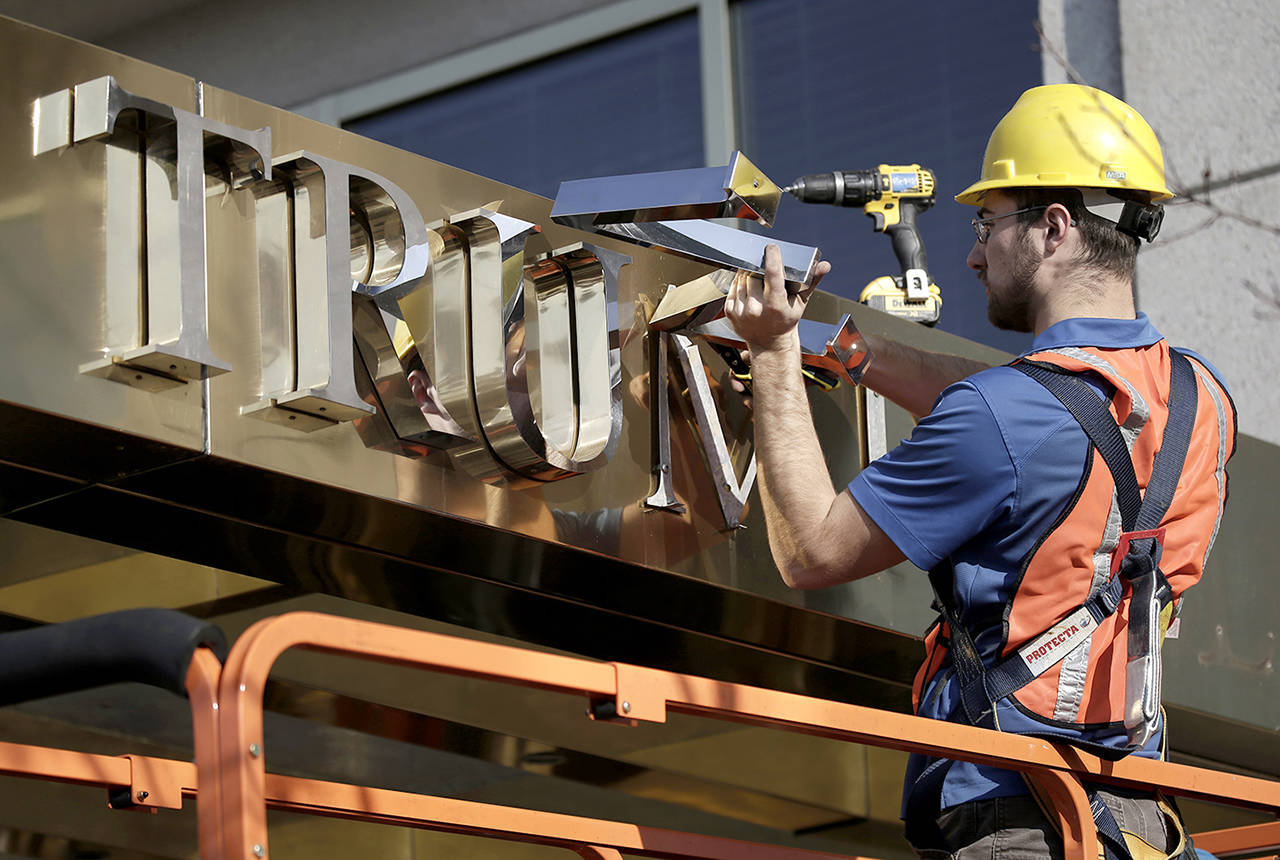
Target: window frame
719 119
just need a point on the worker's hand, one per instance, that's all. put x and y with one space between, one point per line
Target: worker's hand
428 398
763 313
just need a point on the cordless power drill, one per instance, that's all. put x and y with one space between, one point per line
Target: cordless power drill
892 195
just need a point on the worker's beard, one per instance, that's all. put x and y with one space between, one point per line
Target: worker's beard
1009 303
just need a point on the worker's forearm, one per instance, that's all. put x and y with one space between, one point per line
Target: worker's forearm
913 378
795 487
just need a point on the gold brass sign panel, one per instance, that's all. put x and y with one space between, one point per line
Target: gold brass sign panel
520 378
444 342
528 392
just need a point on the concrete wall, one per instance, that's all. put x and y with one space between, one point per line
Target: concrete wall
1206 75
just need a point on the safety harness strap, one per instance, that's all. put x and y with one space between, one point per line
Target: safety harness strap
1138 512
980 687
1099 425
1183 401
1141 541
1019 669
925 800
1113 843
972 676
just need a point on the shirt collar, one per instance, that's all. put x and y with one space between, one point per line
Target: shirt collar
1103 333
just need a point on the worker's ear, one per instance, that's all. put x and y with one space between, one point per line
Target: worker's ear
1058 218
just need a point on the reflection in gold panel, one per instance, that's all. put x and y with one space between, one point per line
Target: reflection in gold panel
824 774
136 580
330 839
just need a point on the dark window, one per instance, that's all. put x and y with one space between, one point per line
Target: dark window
829 84
628 104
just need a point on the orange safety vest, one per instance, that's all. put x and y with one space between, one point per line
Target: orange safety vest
1073 560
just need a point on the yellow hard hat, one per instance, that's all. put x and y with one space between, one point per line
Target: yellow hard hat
1071 136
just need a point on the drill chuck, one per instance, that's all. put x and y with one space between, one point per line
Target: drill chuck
837 188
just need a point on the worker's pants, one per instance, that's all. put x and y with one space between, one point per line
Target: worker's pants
1015 828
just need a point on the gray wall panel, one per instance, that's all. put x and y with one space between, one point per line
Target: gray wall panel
1206 75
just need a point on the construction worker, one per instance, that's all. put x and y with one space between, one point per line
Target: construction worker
1043 554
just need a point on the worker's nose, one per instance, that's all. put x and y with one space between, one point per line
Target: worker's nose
977 259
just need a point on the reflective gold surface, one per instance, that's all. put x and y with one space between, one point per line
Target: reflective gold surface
338 456
56 229
285 258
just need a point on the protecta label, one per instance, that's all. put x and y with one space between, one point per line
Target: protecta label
1060 640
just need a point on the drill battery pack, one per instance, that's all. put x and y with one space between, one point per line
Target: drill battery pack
887 294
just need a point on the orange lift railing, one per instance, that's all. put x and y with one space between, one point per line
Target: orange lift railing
624 692
153 646
242 790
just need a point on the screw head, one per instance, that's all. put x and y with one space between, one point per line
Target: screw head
626 707
259 851
143 795
255 750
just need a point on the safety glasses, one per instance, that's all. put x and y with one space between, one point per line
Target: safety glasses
982 226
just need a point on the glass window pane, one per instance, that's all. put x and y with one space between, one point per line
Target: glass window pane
833 85
628 104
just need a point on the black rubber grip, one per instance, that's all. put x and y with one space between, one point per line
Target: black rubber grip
150 646
905 236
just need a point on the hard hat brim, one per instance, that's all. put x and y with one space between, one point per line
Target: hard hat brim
972 196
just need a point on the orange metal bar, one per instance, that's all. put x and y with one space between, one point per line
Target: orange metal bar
202 691
153 783
953 740
591 838
158 783
245 673
583 835
164 781
1235 841
595 852
65 765
170 780
640 693
1075 819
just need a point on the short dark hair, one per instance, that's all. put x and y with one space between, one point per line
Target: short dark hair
1105 247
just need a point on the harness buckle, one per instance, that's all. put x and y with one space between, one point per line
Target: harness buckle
1130 561
1137 559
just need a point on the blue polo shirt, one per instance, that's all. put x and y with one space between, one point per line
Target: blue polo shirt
983 476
